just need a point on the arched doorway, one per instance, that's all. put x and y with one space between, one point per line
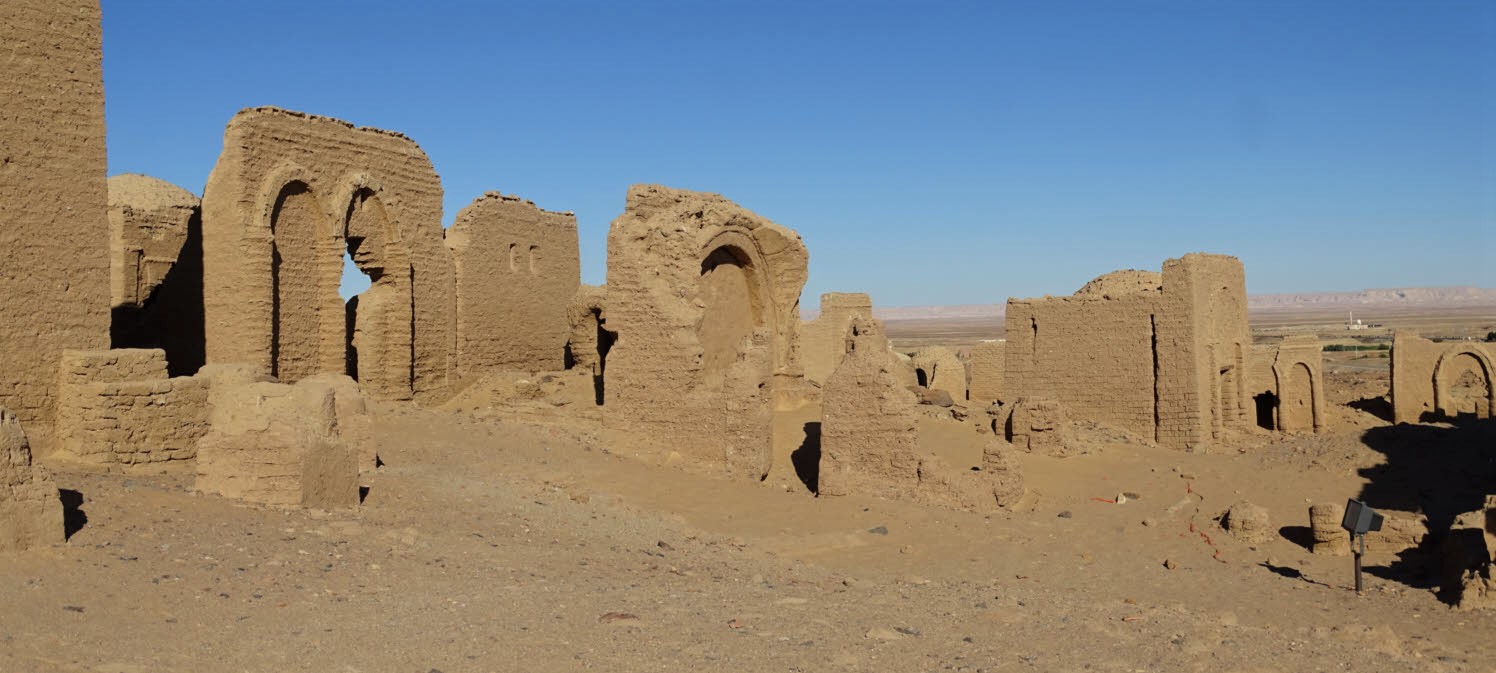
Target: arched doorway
732 306
299 287
379 327
1462 386
1296 399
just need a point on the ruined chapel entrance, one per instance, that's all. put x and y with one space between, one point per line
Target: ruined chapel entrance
1463 384
730 291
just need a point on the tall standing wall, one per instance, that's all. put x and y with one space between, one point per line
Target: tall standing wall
692 279
54 233
289 194
517 269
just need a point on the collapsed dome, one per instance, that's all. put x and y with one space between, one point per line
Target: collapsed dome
1121 283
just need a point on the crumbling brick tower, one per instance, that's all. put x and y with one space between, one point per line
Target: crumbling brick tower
1160 355
54 235
691 277
823 341
289 194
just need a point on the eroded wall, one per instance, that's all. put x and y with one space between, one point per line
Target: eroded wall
1163 356
156 270
1298 370
691 277
823 341
939 368
987 363
869 441
517 268
289 195
30 511
54 232
118 407
1441 380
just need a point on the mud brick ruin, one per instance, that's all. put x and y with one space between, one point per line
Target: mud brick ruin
691 276
938 368
52 201
278 444
589 339
30 511
1298 371
988 361
517 267
156 270
1039 425
1434 380
120 406
869 441
824 340
870 438
1162 356
290 193
148 330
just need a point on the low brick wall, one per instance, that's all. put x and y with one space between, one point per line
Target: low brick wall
119 407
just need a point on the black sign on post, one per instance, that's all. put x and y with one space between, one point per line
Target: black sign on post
1360 520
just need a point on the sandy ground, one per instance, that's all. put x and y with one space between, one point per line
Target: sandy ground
483 546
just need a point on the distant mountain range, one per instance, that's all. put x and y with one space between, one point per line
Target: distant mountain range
1384 298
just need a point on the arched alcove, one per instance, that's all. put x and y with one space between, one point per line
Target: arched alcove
1463 385
1296 399
297 221
731 294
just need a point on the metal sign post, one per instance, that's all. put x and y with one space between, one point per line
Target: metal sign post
1359 520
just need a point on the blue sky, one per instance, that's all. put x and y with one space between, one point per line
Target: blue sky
928 153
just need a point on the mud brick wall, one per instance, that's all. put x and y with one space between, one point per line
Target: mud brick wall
119 407
1160 355
1095 356
869 440
691 276
1298 370
54 232
823 341
1427 378
291 192
517 268
988 360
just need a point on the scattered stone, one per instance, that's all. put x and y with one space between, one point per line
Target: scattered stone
608 617
1324 525
1169 563
878 530
1065 514
884 634
1248 522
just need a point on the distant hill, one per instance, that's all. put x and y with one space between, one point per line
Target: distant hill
1383 297
1407 296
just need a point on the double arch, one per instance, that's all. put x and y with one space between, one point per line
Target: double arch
311 330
